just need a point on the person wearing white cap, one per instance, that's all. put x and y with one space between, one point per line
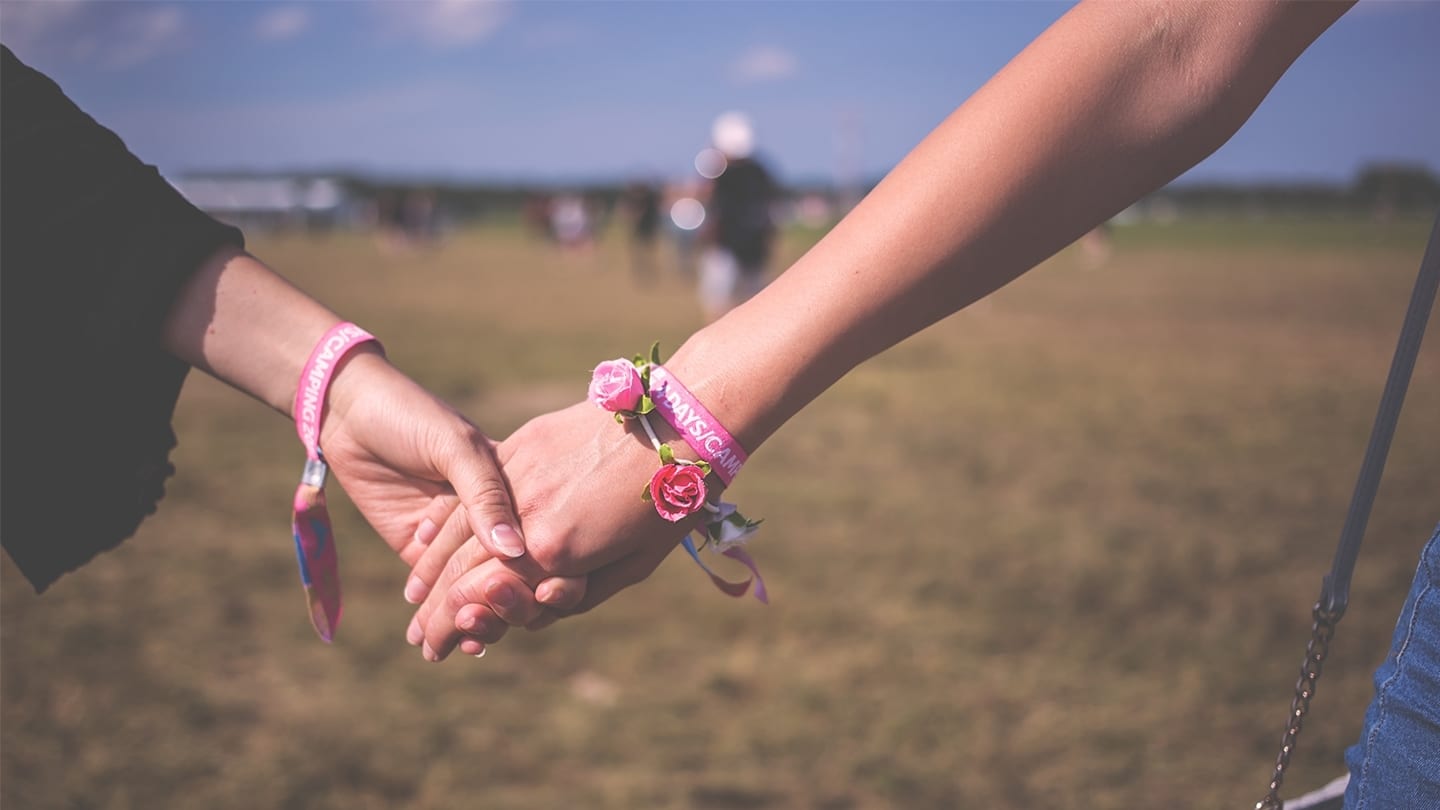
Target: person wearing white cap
739 229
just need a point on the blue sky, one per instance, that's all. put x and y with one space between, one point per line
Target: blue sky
598 90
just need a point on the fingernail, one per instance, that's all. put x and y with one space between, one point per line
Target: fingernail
415 590
427 532
468 623
429 653
507 540
482 652
501 595
548 594
414 634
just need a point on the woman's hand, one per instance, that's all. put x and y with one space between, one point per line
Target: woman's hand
576 478
402 455
396 448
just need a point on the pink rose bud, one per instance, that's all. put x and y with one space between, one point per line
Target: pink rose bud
616 386
678 491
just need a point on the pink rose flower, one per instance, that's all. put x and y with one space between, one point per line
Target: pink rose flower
616 386
678 491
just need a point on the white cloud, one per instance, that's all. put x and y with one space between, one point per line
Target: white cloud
285 22
445 23
764 63
114 36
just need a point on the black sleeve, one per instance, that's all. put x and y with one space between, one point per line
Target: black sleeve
94 247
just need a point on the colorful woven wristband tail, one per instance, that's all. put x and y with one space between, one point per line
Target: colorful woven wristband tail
310 520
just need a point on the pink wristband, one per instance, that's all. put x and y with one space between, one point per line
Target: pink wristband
315 380
700 429
310 521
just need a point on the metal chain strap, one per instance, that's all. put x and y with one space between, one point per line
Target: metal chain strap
1315 653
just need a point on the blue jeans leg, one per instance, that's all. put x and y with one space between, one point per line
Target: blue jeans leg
1396 763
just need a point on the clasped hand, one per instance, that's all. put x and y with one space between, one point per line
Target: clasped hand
575 479
553 530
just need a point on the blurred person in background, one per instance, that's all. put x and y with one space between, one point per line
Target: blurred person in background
420 217
572 222
685 213
1111 102
739 229
536 215
640 210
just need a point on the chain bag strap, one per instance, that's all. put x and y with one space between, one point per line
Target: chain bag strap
1335 589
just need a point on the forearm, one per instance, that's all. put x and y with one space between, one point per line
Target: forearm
1110 103
239 321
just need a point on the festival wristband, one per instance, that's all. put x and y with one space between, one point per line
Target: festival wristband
696 425
310 522
630 390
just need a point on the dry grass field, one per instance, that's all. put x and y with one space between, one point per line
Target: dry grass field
1091 590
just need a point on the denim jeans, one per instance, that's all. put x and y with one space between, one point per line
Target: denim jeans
1396 764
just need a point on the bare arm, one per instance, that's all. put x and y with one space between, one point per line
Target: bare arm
1111 102
396 449
239 321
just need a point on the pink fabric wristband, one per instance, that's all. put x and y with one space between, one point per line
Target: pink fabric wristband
310 521
315 380
700 429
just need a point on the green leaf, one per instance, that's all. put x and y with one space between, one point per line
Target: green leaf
655 352
645 494
704 466
667 455
619 418
646 404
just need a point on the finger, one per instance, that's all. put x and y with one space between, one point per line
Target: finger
469 554
434 518
427 569
472 471
409 549
557 593
611 579
562 593
489 634
487 629
442 631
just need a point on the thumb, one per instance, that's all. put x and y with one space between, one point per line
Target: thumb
475 476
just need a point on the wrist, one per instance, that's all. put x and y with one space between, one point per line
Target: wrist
362 373
746 389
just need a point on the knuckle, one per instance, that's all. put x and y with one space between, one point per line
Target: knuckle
491 495
550 552
459 563
462 594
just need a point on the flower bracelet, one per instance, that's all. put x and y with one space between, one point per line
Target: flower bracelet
633 389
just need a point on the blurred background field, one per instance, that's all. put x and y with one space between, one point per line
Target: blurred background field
1057 551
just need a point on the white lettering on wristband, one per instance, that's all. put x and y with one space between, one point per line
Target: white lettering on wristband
315 379
696 425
